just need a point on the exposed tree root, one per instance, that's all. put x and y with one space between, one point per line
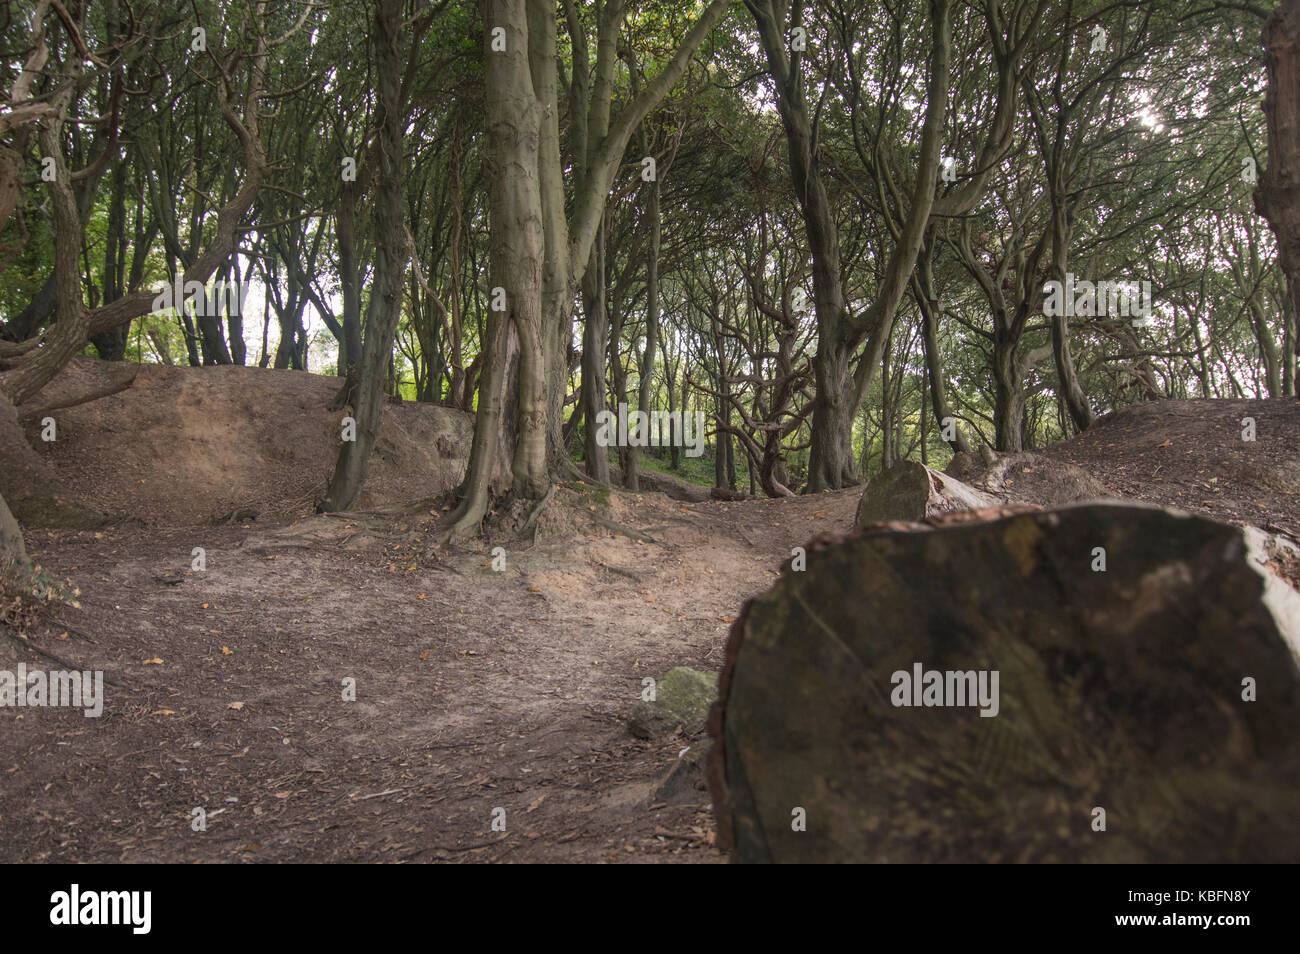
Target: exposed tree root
530 525
634 534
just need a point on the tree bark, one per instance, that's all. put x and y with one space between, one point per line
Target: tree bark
1277 196
518 247
923 289
384 307
827 697
647 367
595 335
13 553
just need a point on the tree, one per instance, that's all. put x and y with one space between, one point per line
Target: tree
1278 196
598 142
384 307
839 332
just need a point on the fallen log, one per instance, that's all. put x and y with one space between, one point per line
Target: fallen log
1098 683
912 491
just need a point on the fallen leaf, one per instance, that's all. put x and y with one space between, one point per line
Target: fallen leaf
1165 444
235 705
155 661
227 651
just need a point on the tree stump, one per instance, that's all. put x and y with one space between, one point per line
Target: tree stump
1144 712
912 491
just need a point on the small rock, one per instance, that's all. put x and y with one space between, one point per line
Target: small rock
682 698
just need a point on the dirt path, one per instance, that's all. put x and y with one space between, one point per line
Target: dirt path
475 690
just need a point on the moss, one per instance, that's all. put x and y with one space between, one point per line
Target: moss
682 698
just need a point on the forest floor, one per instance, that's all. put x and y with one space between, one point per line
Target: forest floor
475 689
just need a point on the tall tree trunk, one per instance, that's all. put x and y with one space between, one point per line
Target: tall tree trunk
567 243
1277 196
71 319
345 231
518 246
111 345
886 414
651 330
923 289
674 450
235 318
1008 396
617 369
213 335
557 281
838 392
1067 377
1291 329
595 332
384 307
830 463
830 455
599 141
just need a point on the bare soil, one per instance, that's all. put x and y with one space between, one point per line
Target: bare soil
475 689
178 448
1192 455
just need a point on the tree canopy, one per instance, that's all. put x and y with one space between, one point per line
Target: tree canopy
849 232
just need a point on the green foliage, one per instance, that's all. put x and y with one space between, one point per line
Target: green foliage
693 470
1153 131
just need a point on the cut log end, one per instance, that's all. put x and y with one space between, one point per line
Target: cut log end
1146 667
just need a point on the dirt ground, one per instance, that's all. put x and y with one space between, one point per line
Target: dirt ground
476 690
1193 455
